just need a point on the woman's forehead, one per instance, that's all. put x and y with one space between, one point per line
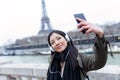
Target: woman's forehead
54 36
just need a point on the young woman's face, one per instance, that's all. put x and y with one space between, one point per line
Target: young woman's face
58 42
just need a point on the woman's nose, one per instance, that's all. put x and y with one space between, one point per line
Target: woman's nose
56 42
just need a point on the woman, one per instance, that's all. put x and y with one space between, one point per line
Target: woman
66 62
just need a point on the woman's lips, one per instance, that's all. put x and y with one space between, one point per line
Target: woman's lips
58 47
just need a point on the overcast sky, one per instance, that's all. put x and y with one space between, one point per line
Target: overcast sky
21 18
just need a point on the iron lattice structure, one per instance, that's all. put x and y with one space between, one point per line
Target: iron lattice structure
45 21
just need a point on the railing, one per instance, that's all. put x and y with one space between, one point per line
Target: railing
23 71
38 72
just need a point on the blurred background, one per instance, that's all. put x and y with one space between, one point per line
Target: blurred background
25 24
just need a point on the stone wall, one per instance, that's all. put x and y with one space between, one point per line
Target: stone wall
38 72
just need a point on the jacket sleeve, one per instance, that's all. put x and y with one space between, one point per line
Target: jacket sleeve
98 59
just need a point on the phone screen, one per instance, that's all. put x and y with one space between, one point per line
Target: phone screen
80 15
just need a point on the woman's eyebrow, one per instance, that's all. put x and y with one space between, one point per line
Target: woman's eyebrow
55 37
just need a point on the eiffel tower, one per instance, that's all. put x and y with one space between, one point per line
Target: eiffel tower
45 21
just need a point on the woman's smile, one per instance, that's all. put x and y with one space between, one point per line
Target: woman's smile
59 46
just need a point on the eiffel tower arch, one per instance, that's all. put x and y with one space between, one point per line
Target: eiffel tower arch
45 21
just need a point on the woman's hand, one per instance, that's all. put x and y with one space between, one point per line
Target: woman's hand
89 28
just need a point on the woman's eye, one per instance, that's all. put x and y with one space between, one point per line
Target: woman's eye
52 43
58 38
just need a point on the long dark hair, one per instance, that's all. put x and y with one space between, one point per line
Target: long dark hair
73 50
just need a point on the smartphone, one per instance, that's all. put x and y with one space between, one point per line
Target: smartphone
80 15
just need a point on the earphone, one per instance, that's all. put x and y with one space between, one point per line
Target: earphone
66 37
51 48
